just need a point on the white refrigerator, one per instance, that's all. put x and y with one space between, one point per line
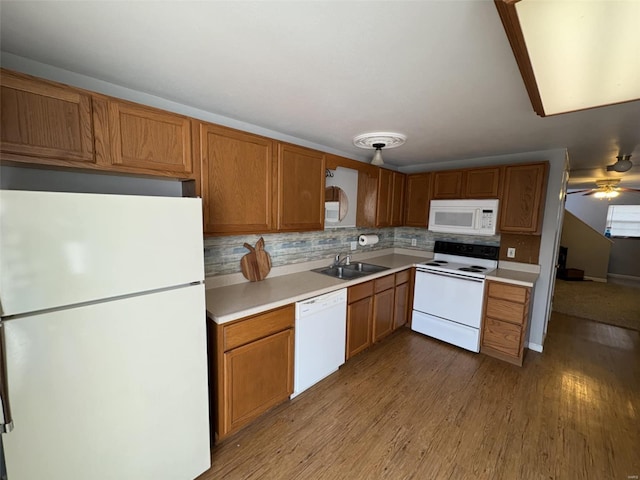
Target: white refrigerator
103 337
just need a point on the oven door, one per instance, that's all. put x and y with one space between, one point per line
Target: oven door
449 296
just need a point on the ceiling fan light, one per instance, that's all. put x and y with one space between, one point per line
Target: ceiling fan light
599 194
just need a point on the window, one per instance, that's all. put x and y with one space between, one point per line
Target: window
623 220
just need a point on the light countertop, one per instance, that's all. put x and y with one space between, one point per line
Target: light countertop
228 303
231 302
516 277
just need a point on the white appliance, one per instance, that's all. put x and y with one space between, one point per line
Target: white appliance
320 334
104 367
467 217
449 293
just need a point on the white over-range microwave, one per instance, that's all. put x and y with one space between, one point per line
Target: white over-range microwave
467 217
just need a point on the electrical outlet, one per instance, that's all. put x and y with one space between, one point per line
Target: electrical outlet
414 242
511 252
354 245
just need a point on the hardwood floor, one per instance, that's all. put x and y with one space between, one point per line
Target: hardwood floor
415 408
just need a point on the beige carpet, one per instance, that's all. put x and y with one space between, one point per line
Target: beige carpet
603 302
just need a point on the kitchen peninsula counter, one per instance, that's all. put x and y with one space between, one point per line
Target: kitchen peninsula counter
516 277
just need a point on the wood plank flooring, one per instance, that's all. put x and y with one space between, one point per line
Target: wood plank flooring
415 408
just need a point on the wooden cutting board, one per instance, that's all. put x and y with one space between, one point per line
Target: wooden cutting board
256 264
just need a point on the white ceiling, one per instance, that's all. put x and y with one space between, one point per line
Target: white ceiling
441 73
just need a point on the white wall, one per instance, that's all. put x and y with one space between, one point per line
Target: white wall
588 249
18 178
625 252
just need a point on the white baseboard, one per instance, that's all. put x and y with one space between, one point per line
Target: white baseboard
534 346
624 277
596 279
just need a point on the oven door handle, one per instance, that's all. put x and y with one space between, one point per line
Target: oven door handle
452 275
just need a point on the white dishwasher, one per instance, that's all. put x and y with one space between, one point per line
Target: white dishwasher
320 336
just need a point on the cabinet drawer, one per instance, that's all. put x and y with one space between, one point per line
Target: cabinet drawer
403 277
358 292
501 336
505 310
384 283
259 326
515 293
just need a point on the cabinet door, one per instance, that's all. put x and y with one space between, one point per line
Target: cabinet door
503 337
359 316
447 184
300 188
482 182
401 305
417 200
522 199
44 122
383 309
146 139
237 180
367 199
397 199
384 203
257 376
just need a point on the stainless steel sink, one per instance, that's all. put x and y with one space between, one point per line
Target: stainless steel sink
365 267
351 271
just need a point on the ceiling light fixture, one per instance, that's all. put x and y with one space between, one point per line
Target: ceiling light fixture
378 141
622 165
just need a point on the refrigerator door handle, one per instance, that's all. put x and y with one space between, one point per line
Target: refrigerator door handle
6 421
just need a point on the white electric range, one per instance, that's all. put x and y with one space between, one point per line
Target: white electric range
449 292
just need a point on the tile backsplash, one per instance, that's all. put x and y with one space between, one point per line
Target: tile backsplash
222 254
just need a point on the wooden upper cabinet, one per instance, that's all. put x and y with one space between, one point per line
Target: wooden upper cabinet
447 184
523 196
236 179
397 199
367 199
300 203
482 182
144 138
44 122
417 200
385 194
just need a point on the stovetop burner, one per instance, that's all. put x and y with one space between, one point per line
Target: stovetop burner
464 259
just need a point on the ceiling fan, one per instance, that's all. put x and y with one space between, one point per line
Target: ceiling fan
623 164
607 188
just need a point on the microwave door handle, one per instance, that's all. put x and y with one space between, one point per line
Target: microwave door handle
478 218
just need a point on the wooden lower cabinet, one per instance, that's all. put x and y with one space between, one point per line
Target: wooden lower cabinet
251 367
402 297
505 321
383 306
359 315
375 309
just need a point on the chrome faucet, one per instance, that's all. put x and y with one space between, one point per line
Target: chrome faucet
337 260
